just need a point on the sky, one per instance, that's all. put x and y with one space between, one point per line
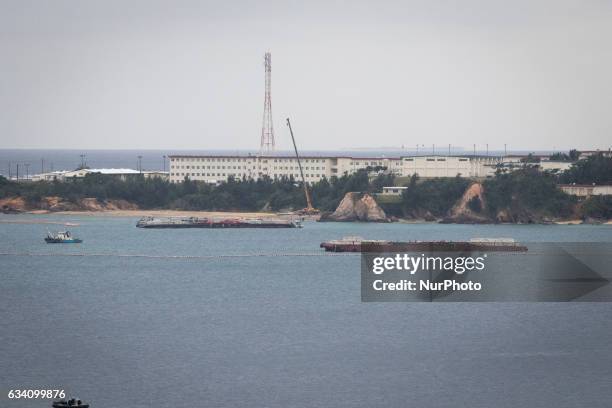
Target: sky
182 74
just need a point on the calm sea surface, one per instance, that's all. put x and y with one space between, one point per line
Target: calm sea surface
260 318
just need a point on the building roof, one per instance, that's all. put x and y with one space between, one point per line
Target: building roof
113 171
288 156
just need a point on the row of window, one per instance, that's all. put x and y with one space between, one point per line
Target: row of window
210 167
366 163
237 159
297 168
238 175
430 160
208 159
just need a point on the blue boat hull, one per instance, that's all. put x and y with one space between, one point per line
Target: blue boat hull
63 241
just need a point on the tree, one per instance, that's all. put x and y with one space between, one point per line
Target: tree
598 207
530 159
528 189
434 195
594 169
572 156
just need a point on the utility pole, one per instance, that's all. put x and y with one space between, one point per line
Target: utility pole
474 149
417 152
27 166
449 149
487 149
505 150
17 171
42 165
9 173
140 164
164 158
82 161
433 149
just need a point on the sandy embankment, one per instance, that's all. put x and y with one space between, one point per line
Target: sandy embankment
112 208
165 213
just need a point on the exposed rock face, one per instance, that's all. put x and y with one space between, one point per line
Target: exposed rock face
57 204
357 207
470 207
54 204
504 216
520 216
12 205
92 204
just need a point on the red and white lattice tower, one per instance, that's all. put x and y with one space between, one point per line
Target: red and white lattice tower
267 129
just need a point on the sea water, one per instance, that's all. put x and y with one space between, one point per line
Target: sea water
264 318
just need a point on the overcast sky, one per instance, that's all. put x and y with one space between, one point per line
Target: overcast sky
189 74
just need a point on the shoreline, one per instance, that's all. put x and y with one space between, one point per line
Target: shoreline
156 213
237 214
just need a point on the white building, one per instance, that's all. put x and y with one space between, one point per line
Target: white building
555 165
587 153
450 166
217 168
393 190
123 174
214 169
586 190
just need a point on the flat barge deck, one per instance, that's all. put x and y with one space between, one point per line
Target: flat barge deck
473 245
196 222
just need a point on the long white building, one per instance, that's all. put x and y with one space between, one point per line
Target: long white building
123 174
213 169
217 168
450 166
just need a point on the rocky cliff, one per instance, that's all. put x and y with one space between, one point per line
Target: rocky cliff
470 208
357 207
13 205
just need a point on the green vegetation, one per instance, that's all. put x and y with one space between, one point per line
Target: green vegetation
598 207
530 159
572 156
524 194
239 195
594 169
149 193
436 196
527 190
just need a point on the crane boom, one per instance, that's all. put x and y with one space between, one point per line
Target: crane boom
309 208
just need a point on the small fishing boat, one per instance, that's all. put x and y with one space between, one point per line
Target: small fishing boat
63 237
76 403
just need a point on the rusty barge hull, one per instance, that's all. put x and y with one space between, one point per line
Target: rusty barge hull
218 225
431 246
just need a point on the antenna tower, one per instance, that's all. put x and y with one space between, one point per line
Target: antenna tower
267 129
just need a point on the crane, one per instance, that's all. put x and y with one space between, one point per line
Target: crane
309 210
